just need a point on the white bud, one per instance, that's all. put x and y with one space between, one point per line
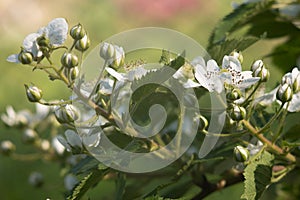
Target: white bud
7 147
284 93
107 51
29 136
66 114
237 113
241 154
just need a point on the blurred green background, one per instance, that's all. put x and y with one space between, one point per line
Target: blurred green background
195 18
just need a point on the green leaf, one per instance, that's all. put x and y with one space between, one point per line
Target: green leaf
258 176
120 186
218 51
238 18
86 183
165 57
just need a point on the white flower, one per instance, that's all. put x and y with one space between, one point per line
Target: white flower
185 75
56 31
238 78
208 75
13 118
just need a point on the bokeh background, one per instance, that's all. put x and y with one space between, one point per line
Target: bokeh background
195 18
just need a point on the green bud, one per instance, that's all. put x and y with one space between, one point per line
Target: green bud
83 44
7 147
25 58
241 154
69 60
238 55
77 32
34 94
74 72
234 94
29 136
42 41
66 114
237 113
284 93
36 179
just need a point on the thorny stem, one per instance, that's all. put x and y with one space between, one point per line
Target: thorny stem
289 157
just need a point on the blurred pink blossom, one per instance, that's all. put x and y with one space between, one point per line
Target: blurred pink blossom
158 10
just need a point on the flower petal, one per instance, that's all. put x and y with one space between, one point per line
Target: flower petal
231 63
13 58
294 105
57 31
198 61
117 75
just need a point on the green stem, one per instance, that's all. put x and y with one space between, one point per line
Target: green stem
289 157
54 103
252 93
270 122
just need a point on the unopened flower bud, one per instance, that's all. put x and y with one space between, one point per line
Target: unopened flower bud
69 60
284 93
107 51
42 41
237 113
66 114
25 58
29 136
256 65
203 123
118 58
45 145
74 72
83 44
234 95
241 154
259 70
34 94
238 55
36 179
77 32
7 147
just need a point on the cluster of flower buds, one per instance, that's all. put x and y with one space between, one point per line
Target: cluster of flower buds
241 154
82 42
66 114
237 112
113 55
259 70
34 94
